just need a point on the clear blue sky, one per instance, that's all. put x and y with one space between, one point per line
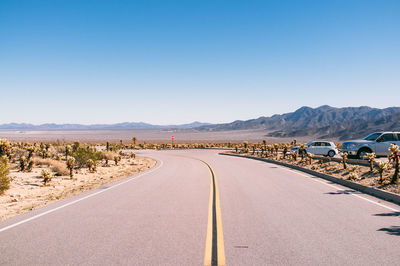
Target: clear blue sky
167 62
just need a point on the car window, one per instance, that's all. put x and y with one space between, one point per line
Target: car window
318 144
388 137
327 144
373 136
398 137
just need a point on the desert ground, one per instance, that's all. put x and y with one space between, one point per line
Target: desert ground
145 135
27 190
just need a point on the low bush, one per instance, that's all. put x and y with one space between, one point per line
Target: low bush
82 155
59 168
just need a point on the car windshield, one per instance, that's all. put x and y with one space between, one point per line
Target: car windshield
373 136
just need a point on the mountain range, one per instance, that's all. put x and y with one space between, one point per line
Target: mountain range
118 126
321 122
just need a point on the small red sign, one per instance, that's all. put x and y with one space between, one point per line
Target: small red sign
173 137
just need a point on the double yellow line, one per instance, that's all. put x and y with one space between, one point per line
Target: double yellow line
215 251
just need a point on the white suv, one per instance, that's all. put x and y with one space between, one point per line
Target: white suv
378 142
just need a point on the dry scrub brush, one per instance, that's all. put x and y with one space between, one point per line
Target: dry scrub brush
4 171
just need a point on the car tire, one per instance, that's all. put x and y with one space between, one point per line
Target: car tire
331 154
361 153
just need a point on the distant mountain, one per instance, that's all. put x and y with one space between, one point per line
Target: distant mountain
307 117
118 126
353 129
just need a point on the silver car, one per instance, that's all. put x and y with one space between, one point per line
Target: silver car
377 142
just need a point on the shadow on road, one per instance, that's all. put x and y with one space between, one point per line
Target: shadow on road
388 214
342 192
394 230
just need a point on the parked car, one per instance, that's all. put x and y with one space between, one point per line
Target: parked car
377 142
325 148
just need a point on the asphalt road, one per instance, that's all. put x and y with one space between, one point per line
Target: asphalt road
269 215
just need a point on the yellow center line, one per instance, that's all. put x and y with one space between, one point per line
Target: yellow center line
219 238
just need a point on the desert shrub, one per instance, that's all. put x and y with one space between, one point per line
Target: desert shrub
30 166
5 147
4 171
371 159
344 156
59 168
395 157
22 163
117 159
382 167
91 165
353 176
47 176
82 155
43 162
107 156
70 165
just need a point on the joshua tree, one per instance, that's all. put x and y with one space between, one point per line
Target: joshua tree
22 163
70 165
371 159
46 175
395 156
382 167
4 171
344 159
134 141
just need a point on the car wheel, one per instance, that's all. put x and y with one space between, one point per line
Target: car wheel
362 153
331 154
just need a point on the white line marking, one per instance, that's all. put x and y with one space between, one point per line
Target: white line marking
335 187
78 200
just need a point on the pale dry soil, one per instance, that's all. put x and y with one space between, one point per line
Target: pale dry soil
27 191
365 176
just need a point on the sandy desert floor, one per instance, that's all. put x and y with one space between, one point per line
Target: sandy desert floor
155 135
27 191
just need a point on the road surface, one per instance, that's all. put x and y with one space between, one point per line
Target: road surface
196 207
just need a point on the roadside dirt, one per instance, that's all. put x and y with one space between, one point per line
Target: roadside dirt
364 175
27 191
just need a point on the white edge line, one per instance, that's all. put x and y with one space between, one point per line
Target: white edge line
80 199
335 187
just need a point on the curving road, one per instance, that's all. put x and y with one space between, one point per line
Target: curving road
269 215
